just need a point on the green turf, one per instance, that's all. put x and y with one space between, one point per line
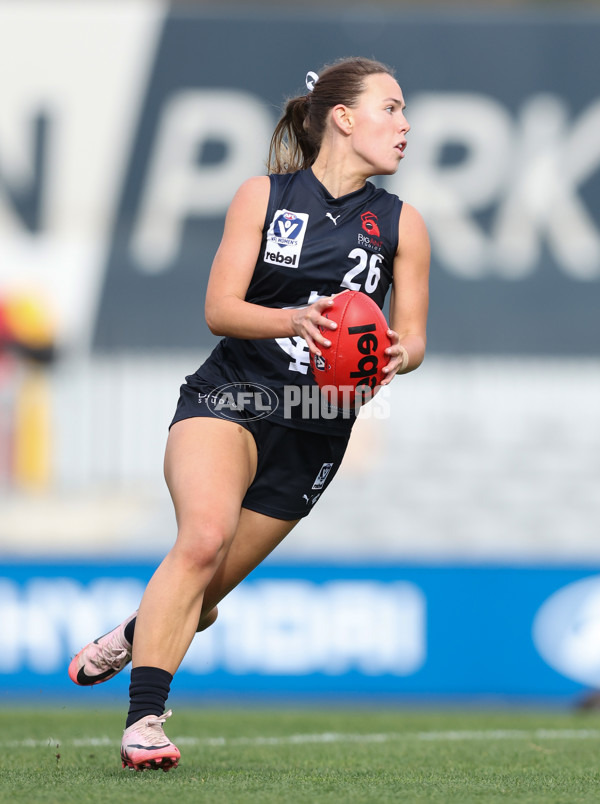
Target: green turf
279 756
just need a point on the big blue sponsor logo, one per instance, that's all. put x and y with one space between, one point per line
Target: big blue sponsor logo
274 627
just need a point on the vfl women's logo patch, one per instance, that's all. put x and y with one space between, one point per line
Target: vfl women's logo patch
285 238
322 476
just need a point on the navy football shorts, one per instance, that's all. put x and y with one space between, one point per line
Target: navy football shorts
294 466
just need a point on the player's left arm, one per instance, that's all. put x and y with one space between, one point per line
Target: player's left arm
409 299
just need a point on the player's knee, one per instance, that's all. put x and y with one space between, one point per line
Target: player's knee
202 546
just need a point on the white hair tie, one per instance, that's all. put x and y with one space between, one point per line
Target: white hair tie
311 80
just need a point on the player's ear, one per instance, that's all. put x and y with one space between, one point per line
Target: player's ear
342 118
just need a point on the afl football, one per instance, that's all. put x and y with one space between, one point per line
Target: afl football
353 362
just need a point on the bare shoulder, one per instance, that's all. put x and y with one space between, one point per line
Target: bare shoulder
248 207
413 238
253 191
411 223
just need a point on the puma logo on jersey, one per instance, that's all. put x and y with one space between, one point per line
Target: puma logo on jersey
329 215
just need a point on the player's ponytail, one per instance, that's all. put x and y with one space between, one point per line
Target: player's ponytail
298 135
291 145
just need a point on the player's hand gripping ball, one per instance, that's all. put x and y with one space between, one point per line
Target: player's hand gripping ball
353 363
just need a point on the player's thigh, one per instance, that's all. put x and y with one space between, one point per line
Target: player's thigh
209 464
255 537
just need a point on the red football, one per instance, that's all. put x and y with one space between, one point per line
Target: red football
353 362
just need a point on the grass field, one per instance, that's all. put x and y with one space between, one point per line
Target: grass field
301 756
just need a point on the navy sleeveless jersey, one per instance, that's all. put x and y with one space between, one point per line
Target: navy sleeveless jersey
313 245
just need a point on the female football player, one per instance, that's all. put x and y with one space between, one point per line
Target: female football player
240 480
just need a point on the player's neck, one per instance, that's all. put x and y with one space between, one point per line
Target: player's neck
337 174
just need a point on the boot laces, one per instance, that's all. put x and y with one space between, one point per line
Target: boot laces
151 730
111 653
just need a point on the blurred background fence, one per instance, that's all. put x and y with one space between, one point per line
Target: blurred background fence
457 554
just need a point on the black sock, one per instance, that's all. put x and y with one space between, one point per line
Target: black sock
148 693
129 630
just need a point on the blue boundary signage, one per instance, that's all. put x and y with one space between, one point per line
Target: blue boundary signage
378 631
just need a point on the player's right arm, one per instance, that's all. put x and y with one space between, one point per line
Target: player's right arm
410 295
226 309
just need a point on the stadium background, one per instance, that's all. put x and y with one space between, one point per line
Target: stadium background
456 556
